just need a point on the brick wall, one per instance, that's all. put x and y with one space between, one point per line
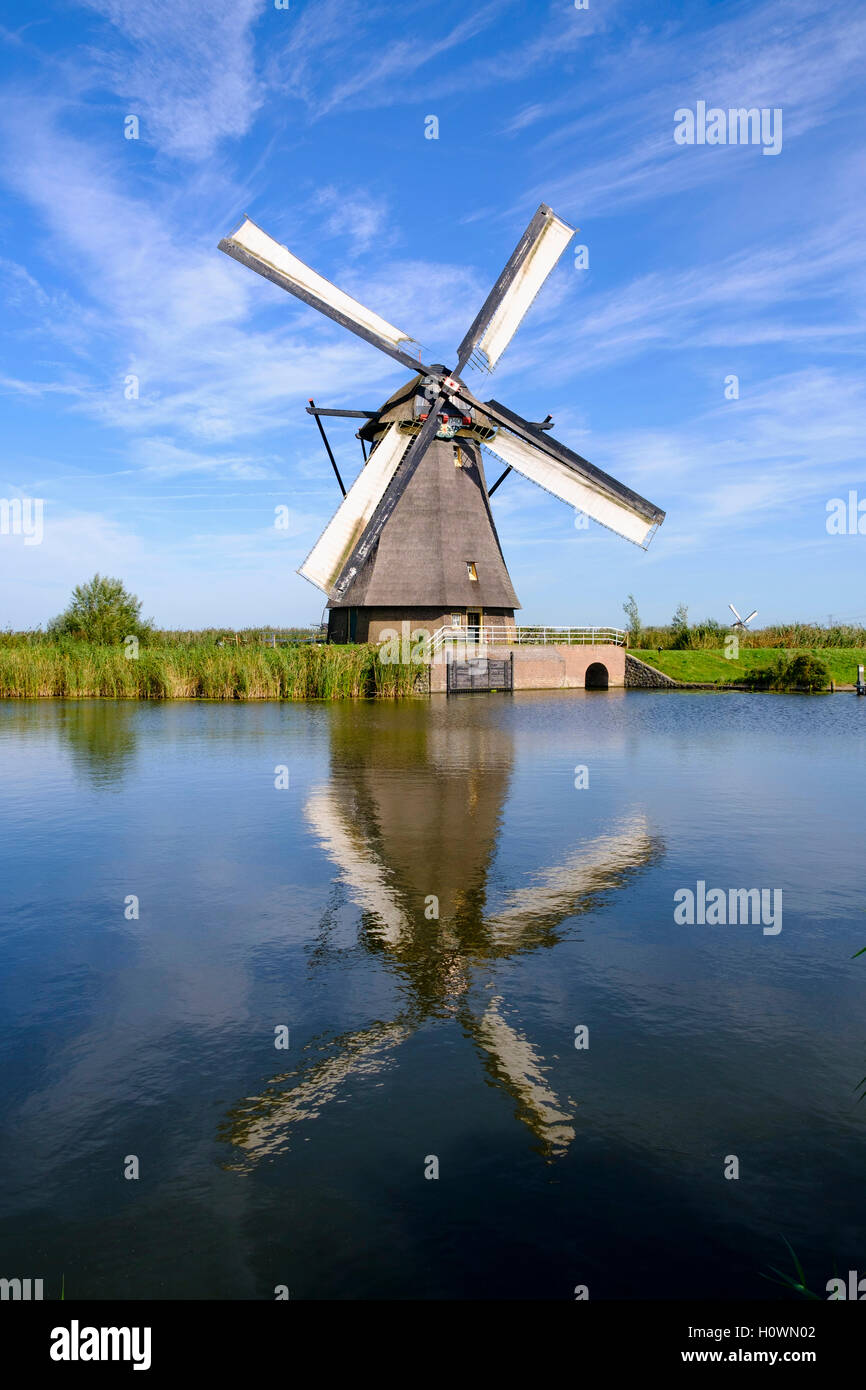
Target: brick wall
553 667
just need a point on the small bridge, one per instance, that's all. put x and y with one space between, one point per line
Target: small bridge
570 659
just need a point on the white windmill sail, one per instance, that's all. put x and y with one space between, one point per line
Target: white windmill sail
570 487
327 557
548 245
294 275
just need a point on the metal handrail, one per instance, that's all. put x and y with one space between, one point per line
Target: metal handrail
528 636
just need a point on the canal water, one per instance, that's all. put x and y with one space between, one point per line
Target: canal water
370 1001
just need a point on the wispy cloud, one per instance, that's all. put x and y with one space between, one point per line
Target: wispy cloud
805 288
164 458
327 65
356 216
619 144
189 75
172 312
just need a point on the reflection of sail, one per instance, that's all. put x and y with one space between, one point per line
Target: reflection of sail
514 1063
259 1124
574 885
368 880
406 816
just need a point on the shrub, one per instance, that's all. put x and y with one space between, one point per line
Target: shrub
806 672
801 672
103 612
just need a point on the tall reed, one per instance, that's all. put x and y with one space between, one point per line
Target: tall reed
205 671
782 636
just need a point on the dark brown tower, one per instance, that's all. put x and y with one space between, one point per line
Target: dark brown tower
438 561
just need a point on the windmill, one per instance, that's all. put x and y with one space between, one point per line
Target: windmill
414 536
742 622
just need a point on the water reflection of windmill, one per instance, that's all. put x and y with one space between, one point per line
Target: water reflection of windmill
418 814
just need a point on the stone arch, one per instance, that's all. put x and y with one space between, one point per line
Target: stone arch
596 676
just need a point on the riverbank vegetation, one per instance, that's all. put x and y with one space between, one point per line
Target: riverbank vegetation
682 636
184 671
255 670
101 646
713 667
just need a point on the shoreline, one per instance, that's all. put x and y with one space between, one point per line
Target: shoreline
295 674
683 688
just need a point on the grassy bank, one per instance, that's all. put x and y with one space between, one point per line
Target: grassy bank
712 665
206 671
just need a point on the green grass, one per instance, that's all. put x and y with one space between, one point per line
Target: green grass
80 669
712 666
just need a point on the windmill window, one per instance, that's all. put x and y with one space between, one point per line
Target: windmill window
472 571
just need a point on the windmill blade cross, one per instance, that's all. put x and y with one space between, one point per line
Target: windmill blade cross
253 247
526 270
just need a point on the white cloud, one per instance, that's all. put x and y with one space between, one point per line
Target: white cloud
172 310
356 216
164 458
328 65
758 56
804 288
187 70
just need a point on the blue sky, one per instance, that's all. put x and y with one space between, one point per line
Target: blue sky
704 262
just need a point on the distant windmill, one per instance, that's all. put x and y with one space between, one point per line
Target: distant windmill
742 622
414 536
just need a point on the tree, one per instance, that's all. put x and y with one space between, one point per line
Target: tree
680 619
634 623
680 627
101 611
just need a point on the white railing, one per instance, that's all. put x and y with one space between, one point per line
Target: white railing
508 636
570 636
315 634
